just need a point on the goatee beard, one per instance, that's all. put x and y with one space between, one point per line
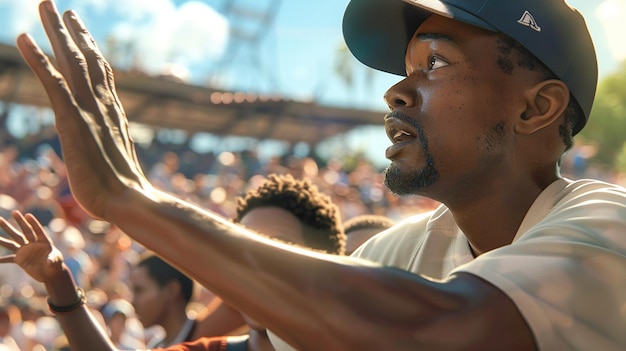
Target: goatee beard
409 183
412 181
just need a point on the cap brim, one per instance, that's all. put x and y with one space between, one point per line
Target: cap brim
377 32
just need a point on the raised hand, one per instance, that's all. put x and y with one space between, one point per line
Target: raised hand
92 126
31 248
36 254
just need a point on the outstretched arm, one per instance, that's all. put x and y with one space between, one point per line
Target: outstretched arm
36 254
313 301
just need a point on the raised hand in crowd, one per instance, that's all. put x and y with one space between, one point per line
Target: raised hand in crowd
36 254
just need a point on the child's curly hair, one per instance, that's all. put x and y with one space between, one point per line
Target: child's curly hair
318 214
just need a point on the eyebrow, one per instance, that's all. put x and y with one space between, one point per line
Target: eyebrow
435 36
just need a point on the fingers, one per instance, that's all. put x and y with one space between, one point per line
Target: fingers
102 79
89 118
99 69
27 230
53 82
31 231
18 238
69 57
7 259
38 231
69 120
8 244
89 75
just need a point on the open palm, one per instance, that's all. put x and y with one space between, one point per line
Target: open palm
31 248
98 151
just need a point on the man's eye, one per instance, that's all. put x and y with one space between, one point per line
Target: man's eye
436 62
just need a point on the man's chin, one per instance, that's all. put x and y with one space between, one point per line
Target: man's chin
405 184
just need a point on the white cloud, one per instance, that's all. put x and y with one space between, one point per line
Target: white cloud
18 17
162 34
159 33
612 14
191 34
130 10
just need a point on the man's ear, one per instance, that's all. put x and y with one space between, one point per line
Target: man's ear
545 102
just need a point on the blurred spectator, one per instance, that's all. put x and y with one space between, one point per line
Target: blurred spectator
162 172
161 294
43 205
9 317
7 204
8 168
360 228
125 330
72 244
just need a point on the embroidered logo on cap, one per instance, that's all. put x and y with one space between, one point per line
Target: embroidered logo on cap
529 21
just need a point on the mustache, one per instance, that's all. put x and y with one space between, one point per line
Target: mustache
413 122
401 116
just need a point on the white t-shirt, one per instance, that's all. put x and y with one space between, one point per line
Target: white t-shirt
565 269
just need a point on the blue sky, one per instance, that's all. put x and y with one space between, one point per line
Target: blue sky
295 58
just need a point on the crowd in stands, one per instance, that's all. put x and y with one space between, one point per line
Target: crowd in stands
33 180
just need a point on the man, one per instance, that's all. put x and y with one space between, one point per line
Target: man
161 294
516 258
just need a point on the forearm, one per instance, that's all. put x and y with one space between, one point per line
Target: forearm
283 287
222 256
82 330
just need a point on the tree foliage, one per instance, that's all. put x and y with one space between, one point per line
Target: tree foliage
607 124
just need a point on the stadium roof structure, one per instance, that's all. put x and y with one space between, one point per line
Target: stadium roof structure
161 102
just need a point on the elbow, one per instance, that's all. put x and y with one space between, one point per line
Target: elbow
482 318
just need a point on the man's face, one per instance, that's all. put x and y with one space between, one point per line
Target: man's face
451 116
148 297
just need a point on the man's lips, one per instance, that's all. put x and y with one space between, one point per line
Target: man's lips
400 133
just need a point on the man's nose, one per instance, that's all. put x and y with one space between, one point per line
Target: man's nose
404 93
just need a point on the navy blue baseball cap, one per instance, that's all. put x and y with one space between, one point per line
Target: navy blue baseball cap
377 33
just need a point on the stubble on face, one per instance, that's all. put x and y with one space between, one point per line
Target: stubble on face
403 182
494 137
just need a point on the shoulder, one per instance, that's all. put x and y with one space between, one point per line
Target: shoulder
582 207
588 211
589 192
595 188
566 193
